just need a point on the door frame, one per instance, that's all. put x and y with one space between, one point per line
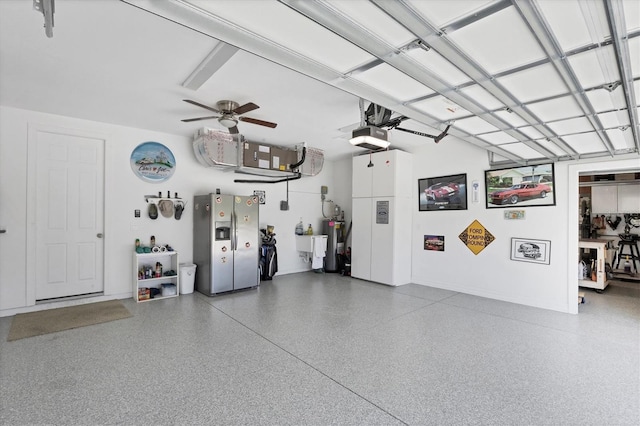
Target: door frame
32 140
573 210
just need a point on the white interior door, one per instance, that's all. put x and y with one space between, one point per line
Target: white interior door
69 214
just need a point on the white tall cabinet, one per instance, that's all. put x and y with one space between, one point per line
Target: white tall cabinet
382 206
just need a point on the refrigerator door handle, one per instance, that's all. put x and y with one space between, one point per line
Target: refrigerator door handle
234 231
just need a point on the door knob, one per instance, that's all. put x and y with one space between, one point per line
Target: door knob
99 235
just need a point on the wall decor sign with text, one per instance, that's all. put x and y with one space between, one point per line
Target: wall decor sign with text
476 237
153 162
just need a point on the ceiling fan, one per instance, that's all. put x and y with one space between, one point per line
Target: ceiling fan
229 114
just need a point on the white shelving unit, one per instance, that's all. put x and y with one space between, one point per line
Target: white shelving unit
145 261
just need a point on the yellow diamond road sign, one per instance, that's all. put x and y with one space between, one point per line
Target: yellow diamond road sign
476 237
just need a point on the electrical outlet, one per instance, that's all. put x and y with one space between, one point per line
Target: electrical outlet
324 190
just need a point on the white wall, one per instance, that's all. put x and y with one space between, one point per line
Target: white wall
490 273
124 193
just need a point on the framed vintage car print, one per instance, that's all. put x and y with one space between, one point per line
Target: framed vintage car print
443 193
528 250
527 186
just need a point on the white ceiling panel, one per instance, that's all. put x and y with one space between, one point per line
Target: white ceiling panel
634 55
584 143
499 42
531 132
441 12
574 125
498 138
278 23
614 119
400 86
482 97
553 147
435 63
620 139
595 67
603 100
567 23
371 17
510 117
632 14
534 83
556 109
441 108
521 150
475 125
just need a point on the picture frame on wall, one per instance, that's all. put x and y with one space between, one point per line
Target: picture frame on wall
528 250
527 186
443 193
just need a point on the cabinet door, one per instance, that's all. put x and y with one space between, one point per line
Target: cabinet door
361 238
628 198
384 174
382 233
361 177
604 199
402 238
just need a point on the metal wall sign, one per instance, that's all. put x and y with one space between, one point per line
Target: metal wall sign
476 237
382 212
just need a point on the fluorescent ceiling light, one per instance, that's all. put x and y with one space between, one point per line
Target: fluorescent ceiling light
212 63
369 137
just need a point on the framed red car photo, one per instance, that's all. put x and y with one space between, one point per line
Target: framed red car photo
528 186
443 193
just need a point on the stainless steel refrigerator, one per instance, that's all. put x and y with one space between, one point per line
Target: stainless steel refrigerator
226 242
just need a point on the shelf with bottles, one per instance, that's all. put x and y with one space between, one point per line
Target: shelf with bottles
156 276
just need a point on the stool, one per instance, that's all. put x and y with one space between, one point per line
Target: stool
632 244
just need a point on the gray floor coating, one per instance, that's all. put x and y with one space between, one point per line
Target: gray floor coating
316 349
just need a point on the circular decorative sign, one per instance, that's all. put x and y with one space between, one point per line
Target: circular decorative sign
153 162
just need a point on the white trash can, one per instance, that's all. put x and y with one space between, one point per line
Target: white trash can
187 277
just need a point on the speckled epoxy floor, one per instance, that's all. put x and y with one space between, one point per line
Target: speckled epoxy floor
316 349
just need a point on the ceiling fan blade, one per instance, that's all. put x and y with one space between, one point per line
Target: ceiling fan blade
188 120
258 122
234 130
201 105
246 108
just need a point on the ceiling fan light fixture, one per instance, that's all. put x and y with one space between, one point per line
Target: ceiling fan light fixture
369 137
228 121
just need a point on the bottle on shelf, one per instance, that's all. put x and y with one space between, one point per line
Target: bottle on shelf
300 228
309 230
